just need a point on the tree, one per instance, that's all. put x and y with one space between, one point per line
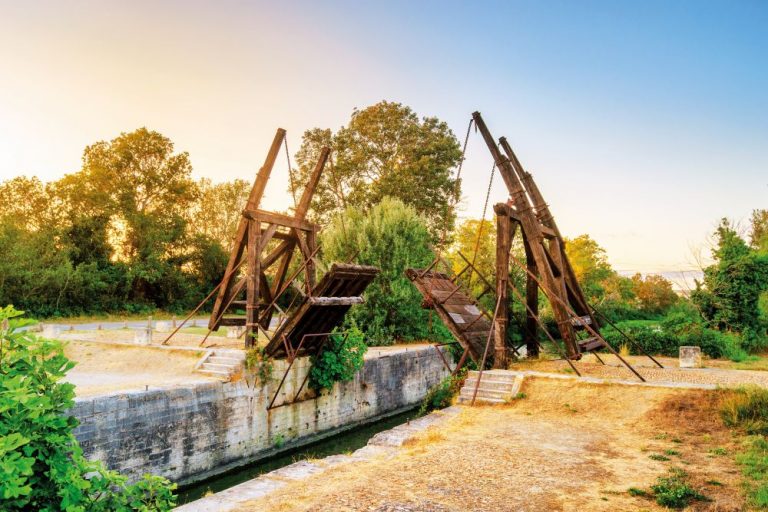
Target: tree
385 151
758 238
730 293
218 210
654 293
41 464
590 264
392 237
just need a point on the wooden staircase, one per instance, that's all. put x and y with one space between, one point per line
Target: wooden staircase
496 387
221 363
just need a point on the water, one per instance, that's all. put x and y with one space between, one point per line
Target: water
345 442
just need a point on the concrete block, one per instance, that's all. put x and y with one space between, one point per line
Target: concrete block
142 336
163 326
51 331
690 357
235 332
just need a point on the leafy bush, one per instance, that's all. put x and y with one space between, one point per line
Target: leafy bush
441 395
41 464
339 361
392 237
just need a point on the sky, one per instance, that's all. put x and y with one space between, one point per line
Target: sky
643 122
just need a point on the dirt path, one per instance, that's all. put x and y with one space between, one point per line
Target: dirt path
613 369
103 368
566 446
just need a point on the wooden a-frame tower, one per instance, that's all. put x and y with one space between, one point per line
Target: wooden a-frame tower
547 266
256 229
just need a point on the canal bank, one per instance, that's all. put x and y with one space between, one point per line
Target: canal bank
192 433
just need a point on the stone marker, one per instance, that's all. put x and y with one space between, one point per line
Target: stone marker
142 336
51 331
690 357
163 327
235 332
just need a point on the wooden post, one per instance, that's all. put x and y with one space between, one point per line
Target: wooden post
575 292
253 283
532 311
501 323
257 192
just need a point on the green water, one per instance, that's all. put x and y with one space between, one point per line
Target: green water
345 442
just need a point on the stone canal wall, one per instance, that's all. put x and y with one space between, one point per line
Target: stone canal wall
190 433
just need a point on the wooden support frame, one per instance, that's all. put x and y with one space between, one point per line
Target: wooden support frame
267 262
544 251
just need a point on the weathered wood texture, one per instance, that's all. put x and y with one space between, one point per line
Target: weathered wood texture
544 247
460 313
322 311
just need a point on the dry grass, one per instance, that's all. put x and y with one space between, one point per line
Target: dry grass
568 446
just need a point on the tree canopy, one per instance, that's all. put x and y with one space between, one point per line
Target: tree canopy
385 150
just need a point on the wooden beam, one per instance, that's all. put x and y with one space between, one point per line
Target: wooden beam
253 284
335 301
254 199
314 179
532 229
279 219
501 321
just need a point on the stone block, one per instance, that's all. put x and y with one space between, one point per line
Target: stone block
51 331
163 326
690 357
142 336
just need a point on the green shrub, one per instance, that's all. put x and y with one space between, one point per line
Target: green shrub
41 464
673 491
392 237
259 365
339 361
441 395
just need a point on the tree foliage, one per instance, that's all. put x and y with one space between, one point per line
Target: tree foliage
385 150
729 295
41 464
115 235
391 236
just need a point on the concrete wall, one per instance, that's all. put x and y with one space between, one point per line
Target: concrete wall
187 434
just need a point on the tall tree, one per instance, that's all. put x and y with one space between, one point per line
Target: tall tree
219 209
590 264
385 150
730 292
758 233
654 293
393 237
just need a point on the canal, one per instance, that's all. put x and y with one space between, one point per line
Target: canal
345 442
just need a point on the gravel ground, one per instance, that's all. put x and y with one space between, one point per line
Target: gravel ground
613 369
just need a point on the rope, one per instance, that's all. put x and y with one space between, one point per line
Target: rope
290 171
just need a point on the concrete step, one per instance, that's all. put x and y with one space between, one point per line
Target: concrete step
486 393
491 384
217 367
230 361
495 387
216 373
494 375
481 400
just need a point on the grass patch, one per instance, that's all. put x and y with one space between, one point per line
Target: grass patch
672 452
674 491
640 493
658 456
754 465
719 451
746 408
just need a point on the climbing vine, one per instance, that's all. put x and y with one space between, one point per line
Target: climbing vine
339 361
258 364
